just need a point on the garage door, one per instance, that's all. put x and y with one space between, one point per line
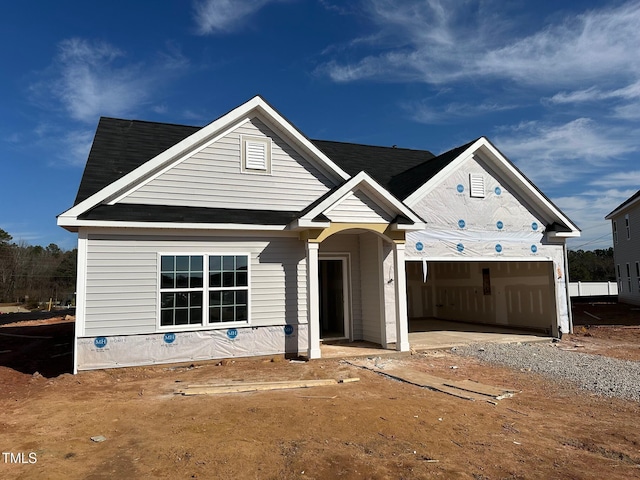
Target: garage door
507 293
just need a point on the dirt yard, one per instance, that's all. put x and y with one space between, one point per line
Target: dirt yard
376 428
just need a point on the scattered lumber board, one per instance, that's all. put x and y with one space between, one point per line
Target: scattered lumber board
465 389
239 387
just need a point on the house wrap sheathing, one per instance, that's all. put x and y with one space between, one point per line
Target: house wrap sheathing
246 238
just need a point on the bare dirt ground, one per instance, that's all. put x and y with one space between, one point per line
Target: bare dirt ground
376 428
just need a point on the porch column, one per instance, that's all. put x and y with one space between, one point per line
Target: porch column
402 323
313 306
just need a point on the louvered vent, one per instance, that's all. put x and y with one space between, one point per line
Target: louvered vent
256 156
476 185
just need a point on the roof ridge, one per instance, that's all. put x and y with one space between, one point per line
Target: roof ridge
373 146
152 122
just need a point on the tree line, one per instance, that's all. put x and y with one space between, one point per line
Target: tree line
34 274
591 265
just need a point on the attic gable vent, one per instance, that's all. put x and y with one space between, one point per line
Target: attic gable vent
256 155
476 185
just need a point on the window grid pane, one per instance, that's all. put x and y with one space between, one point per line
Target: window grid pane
182 284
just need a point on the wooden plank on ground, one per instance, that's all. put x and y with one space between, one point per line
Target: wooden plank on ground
465 389
239 387
478 387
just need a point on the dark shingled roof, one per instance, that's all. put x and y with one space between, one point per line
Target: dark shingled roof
165 213
407 182
383 164
626 202
120 146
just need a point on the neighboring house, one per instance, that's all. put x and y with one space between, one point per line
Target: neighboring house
244 237
625 220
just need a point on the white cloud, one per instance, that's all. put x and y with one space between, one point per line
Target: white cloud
431 112
437 42
593 94
75 147
560 153
90 79
90 84
223 16
619 179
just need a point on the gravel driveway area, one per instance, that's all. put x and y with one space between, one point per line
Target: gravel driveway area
603 375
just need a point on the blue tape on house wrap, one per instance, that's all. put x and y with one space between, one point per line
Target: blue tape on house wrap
419 246
534 226
498 248
534 249
460 188
499 225
461 223
460 247
498 190
169 337
100 342
232 333
288 329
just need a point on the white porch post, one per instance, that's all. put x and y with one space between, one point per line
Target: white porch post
402 323
313 307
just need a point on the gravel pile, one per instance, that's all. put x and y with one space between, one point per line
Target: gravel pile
604 375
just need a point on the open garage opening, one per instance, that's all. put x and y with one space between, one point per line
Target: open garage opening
482 296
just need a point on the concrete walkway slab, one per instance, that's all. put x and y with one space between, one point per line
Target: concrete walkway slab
434 334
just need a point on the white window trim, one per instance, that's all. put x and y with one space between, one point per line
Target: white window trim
205 325
627 226
245 140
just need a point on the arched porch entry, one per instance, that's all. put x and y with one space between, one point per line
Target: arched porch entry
356 286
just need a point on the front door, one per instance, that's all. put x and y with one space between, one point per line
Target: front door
334 311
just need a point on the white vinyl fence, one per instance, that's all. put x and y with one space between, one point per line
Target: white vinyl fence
592 289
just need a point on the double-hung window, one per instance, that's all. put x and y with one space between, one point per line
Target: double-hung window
202 290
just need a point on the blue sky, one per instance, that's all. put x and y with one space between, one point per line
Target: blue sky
554 85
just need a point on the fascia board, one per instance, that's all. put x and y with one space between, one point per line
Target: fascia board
351 185
434 181
572 234
74 223
302 223
193 141
410 228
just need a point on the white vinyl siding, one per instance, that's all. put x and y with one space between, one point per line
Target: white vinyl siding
213 177
122 279
358 207
626 252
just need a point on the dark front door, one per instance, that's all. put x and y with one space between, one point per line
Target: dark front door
332 298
